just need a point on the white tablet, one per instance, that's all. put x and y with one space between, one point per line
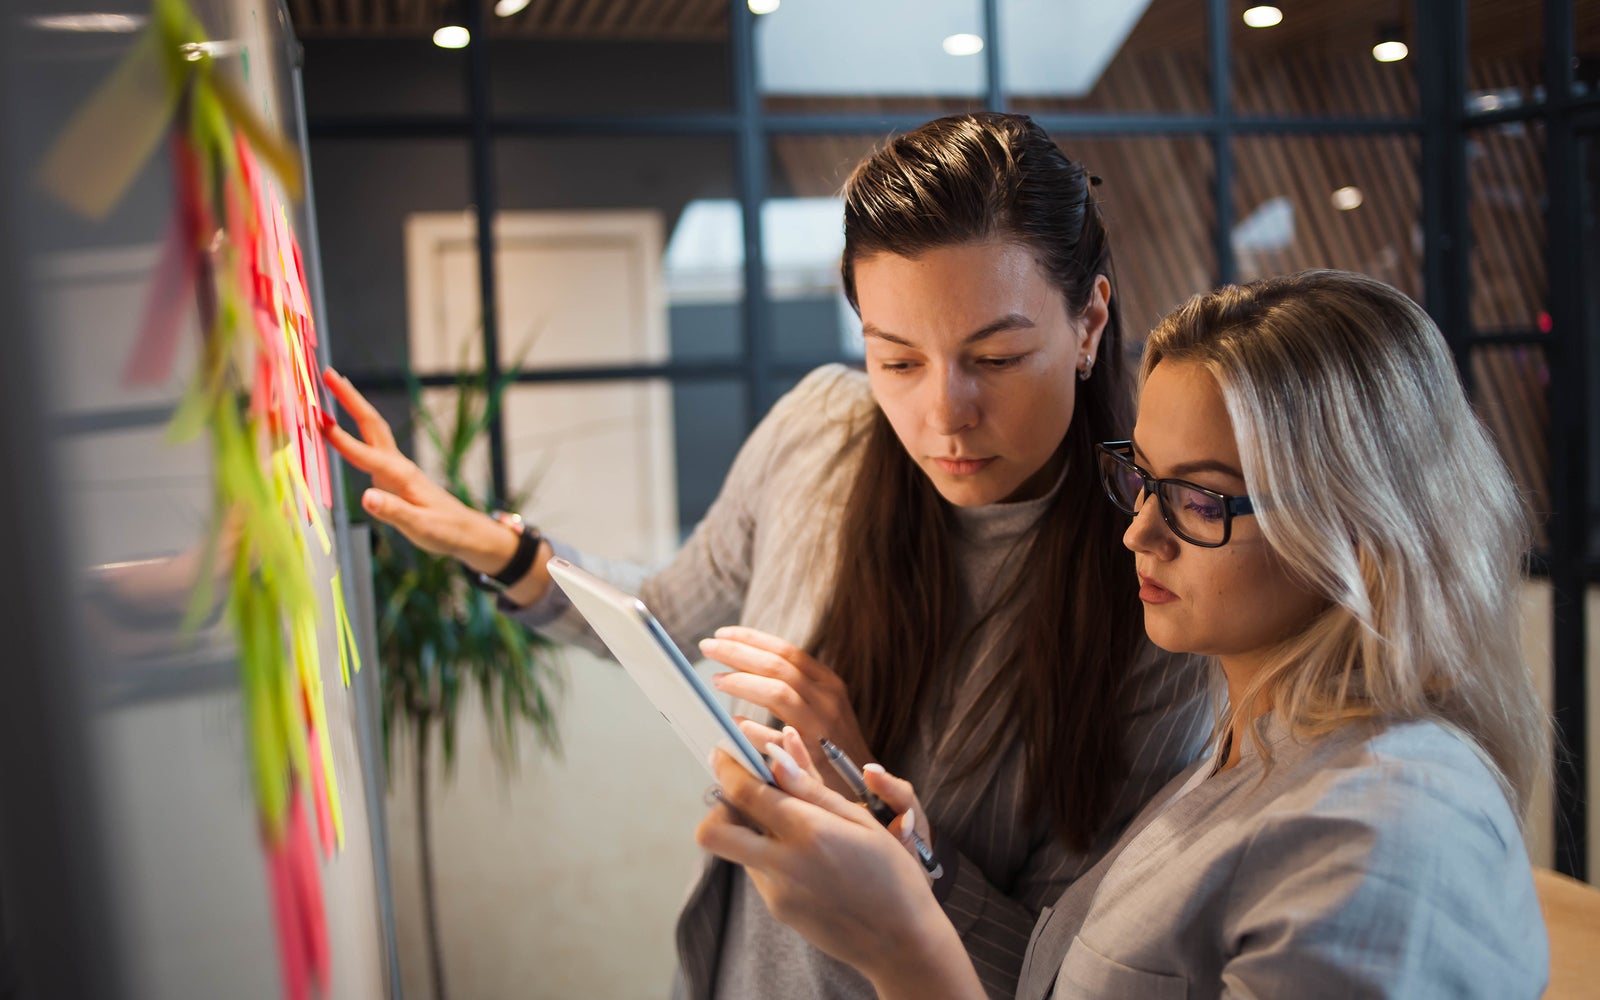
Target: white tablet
660 669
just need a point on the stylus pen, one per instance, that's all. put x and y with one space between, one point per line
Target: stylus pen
881 810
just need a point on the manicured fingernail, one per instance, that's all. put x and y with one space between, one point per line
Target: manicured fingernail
708 644
325 419
791 731
711 758
372 500
874 767
724 630
784 761
908 825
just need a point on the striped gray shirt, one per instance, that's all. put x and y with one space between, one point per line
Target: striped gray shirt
763 557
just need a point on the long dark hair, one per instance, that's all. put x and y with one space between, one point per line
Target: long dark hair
1072 612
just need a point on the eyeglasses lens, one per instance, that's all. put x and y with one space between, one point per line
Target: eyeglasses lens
1198 516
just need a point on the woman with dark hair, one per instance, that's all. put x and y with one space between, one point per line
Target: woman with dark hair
922 565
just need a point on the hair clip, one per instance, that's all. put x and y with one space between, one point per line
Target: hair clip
1095 179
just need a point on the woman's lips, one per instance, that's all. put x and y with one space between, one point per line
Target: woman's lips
1151 592
963 466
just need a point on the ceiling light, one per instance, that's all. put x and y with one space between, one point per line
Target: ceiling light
1390 51
115 24
506 8
1390 48
1264 16
763 6
1346 198
452 36
963 45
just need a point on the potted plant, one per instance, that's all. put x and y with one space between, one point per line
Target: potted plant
439 637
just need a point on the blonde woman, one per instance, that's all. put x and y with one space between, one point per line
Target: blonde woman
1314 505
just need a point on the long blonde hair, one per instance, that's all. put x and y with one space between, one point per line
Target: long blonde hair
1375 484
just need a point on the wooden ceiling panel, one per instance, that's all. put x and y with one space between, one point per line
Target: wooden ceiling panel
1498 28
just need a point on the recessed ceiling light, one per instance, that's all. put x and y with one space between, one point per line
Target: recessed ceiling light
763 6
115 24
1346 198
963 45
1393 51
1264 16
1390 47
452 36
506 8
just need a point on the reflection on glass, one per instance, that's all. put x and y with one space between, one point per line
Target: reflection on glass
1326 58
887 54
1505 52
1316 201
1077 55
1505 205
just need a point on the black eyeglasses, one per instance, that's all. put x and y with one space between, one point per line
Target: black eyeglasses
1195 514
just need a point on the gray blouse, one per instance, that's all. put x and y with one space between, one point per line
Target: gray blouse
1371 862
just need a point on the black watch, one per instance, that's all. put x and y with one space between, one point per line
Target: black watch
528 541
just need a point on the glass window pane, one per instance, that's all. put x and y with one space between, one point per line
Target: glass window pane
365 192
1156 195
610 251
1586 67
1146 55
1589 283
1505 52
1508 389
709 424
1505 203
1349 202
802 237
622 58
887 55
367 77
1322 59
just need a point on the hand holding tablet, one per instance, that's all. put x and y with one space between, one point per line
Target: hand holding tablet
660 669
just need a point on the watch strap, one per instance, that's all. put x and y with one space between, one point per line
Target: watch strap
522 559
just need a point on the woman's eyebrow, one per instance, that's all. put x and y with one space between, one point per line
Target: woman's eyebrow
1010 321
1183 469
1206 465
